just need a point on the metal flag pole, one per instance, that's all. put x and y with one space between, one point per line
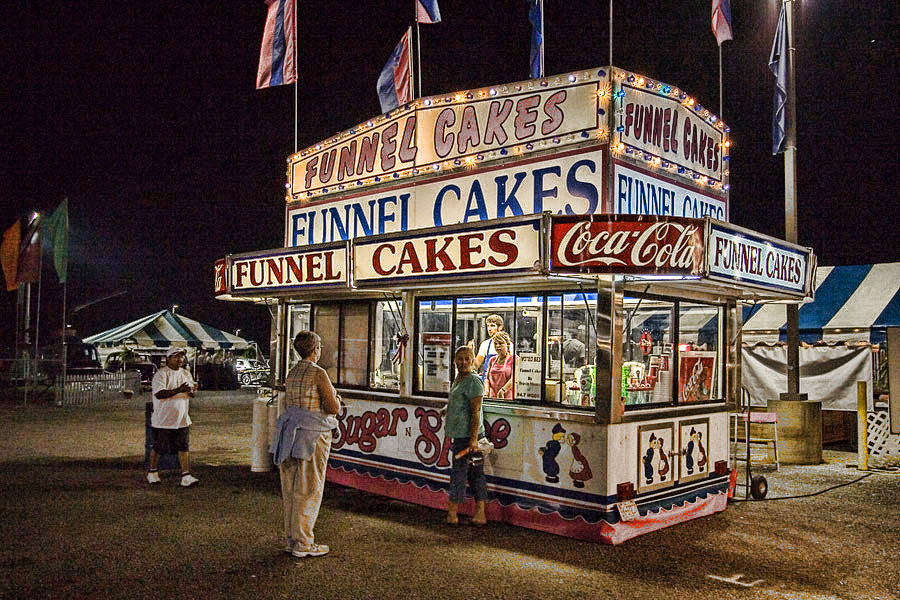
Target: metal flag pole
790 203
418 52
721 99
610 33
296 76
62 389
543 37
413 58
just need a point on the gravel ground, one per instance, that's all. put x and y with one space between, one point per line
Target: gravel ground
81 522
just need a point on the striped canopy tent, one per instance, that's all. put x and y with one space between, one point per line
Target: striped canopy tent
164 329
852 304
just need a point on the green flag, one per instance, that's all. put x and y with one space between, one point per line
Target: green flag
56 234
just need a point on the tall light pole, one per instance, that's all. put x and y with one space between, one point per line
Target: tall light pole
790 208
801 439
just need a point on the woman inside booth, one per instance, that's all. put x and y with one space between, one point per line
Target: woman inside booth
500 368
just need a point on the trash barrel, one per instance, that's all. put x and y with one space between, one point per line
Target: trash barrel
265 411
166 461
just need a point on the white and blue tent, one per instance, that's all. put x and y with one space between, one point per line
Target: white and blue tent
852 304
839 331
163 329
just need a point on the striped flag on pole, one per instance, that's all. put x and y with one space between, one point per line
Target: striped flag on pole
394 85
9 255
427 11
278 55
721 20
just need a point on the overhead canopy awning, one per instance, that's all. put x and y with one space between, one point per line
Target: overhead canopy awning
852 304
164 329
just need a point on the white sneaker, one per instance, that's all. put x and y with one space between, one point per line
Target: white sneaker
152 477
304 550
187 480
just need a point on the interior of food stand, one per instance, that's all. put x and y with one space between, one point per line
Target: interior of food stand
554 336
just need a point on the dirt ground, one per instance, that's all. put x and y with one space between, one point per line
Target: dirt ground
81 522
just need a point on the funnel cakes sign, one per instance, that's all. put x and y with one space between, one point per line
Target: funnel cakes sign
513 246
454 131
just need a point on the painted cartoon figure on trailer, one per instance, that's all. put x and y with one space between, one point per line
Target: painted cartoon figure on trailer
656 445
696 443
652 447
580 470
550 451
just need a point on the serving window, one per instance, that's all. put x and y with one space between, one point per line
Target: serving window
346 329
528 348
662 368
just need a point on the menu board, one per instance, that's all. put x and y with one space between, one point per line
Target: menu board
528 376
436 348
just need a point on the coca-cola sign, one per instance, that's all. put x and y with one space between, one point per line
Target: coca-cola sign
646 245
220 285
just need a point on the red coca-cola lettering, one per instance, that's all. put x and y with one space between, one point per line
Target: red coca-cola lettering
220 285
663 245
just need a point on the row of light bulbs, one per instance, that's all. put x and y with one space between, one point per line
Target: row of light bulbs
471 161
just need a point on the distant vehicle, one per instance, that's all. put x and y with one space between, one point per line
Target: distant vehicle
81 359
250 371
133 362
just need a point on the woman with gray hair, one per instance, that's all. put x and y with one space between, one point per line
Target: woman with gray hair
302 442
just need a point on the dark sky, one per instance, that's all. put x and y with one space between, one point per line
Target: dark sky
144 115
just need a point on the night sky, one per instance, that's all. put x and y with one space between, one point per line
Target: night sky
144 115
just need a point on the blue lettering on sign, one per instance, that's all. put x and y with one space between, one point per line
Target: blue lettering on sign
582 189
475 206
439 202
509 201
642 197
358 219
539 191
698 207
470 200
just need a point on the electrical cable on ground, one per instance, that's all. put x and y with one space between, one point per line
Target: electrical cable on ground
810 495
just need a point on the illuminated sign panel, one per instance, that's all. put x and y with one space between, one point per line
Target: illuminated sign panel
665 126
638 191
638 245
443 133
738 255
457 252
289 269
567 183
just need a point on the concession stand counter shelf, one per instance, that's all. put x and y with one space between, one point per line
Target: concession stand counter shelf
588 213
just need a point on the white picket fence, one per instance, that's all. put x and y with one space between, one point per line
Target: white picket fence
97 388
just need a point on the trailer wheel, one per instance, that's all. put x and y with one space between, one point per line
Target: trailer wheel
759 487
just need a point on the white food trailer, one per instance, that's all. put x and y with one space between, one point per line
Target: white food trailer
589 212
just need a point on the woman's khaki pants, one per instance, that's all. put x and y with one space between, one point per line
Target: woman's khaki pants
302 484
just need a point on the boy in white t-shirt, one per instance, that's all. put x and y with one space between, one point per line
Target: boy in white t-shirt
172 389
494 323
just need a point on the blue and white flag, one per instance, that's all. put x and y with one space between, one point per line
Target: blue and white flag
537 38
394 85
427 11
778 64
721 20
278 54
